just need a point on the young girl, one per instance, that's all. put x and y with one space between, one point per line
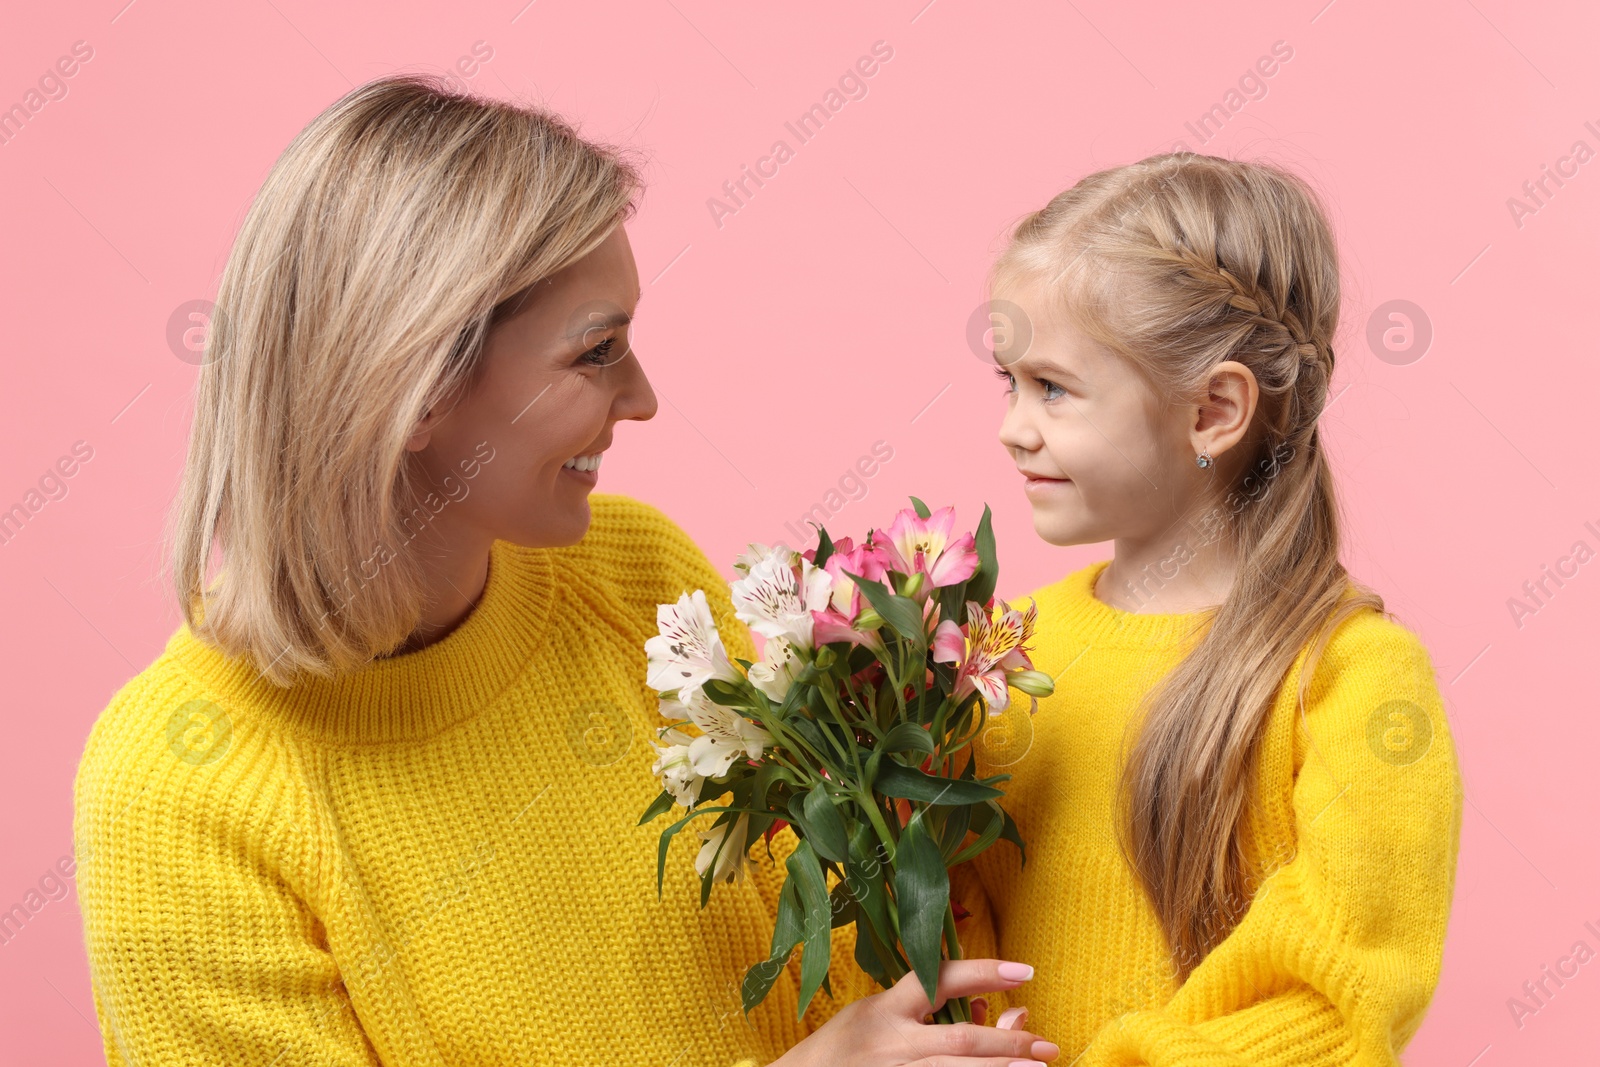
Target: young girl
377 801
1241 805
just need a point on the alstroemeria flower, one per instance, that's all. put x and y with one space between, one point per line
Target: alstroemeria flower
672 766
780 665
778 593
991 646
916 545
731 862
834 622
725 735
688 651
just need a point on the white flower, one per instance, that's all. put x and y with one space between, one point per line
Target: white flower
688 651
672 766
731 862
780 665
775 600
725 735
755 553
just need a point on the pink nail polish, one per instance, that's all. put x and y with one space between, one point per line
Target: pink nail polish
1015 972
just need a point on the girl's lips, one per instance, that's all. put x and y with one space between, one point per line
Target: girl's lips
1034 484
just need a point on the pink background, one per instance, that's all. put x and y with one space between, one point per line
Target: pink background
830 312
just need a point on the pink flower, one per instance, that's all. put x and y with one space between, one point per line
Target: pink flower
834 623
990 646
916 545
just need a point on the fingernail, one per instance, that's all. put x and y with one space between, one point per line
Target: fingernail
1015 972
1026 1063
1044 1050
1012 1019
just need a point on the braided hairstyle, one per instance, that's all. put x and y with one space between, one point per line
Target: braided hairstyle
1177 263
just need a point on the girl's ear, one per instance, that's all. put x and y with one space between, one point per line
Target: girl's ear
1222 419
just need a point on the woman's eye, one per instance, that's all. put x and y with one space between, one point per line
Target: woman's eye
600 353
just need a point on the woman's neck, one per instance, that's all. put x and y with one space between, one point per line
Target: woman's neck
456 572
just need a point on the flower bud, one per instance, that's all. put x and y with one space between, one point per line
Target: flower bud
868 620
1034 683
915 583
825 658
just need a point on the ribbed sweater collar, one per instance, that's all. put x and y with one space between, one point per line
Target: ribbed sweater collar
410 696
1076 610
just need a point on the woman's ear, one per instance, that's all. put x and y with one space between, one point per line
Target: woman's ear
424 430
1224 416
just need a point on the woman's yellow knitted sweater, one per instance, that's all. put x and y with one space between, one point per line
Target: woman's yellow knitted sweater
1352 842
433 861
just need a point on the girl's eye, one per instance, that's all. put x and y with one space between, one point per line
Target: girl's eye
597 356
1052 391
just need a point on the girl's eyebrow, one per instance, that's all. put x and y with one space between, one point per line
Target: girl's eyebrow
1043 368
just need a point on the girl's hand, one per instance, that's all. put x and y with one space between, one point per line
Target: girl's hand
887 1029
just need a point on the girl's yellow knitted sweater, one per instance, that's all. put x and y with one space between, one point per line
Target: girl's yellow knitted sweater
433 860
1353 843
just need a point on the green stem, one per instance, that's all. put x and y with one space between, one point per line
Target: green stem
958 1009
794 742
869 721
831 699
870 804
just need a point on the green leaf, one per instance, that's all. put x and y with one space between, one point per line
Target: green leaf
824 547
954 830
788 930
659 806
922 891
922 509
1010 833
843 906
728 694
900 612
808 729
907 737
896 780
988 827
785 935
864 872
868 945
823 825
806 873
980 587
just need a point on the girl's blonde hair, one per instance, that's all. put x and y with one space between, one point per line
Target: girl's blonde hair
390 235
1177 263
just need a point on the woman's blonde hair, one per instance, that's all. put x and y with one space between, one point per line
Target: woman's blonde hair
1177 263
390 235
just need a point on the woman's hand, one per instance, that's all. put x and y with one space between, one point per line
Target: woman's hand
887 1029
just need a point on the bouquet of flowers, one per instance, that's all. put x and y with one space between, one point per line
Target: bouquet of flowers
880 663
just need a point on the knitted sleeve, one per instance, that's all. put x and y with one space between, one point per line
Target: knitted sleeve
1337 957
193 881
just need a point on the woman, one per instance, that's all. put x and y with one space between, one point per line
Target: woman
376 802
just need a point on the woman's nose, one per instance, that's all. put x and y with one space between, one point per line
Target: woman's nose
637 399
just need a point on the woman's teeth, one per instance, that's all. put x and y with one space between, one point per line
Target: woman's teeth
584 463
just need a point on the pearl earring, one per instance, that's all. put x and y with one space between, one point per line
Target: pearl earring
1203 460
